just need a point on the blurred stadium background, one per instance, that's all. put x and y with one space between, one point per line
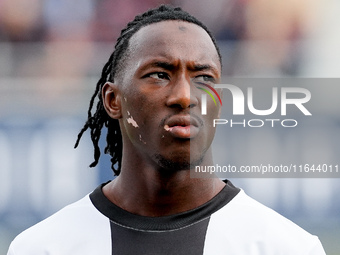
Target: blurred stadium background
51 55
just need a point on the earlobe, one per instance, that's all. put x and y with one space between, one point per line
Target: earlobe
112 100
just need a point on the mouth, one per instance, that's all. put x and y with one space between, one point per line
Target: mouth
184 127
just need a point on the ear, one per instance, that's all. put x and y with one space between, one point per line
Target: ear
112 100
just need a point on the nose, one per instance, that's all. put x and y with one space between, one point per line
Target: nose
180 95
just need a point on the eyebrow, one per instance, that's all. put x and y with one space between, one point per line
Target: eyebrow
204 67
164 65
170 67
201 67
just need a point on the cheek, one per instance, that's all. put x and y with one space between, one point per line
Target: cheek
209 129
132 123
213 113
135 119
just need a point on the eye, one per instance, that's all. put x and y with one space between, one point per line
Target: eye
205 79
158 75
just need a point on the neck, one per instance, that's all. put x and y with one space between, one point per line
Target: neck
146 191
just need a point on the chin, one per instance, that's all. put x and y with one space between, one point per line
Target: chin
178 164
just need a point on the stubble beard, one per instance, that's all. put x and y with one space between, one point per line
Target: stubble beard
182 164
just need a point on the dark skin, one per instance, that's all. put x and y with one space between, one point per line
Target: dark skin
158 107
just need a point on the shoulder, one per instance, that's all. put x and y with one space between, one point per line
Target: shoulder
74 224
249 223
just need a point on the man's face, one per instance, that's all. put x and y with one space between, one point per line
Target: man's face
161 117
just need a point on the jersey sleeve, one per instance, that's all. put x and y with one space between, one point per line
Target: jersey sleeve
317 249
77 229
11 250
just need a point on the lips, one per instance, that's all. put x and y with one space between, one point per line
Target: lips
184 127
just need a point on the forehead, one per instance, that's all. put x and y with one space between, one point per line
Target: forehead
177 40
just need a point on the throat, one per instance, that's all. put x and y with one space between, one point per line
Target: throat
162 197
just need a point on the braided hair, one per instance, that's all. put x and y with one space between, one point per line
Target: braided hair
114 65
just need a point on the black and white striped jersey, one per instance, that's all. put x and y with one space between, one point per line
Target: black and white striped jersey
231 223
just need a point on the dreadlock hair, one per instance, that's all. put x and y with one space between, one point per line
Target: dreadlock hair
96 121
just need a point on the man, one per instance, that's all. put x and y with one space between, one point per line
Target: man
149 102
